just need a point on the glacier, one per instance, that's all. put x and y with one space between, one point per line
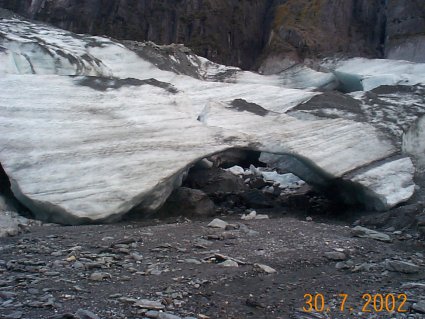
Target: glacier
91 128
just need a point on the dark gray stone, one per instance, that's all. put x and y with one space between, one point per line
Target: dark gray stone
215 180
256 199
187 202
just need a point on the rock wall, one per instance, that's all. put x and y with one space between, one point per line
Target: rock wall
226 31
306 29
406 30
272 34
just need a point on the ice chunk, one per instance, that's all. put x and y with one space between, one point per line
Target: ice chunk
288 180
392 182
360 74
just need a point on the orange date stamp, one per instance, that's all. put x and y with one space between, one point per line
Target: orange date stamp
368 303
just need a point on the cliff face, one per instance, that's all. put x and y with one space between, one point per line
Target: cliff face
406 30
225 31
272 34
316 28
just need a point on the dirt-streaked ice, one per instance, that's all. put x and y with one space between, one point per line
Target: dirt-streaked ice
90 130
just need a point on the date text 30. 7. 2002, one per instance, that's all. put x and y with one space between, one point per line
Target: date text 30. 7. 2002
369 303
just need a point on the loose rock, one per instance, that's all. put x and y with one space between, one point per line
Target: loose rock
265 268
364 232
410 285
85 314
99 276
164 315
229 263
218 223
335 255
402 266
419 306
149 304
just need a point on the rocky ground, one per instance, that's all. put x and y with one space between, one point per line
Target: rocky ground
249 247
181 268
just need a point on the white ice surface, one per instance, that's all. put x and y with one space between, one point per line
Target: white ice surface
393 112
75 154
392 181
70 148
101 56
324 142
302 77
95 154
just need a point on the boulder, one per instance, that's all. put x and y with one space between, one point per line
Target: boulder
402 266
12 224
256 199
187 202
402 217
215 180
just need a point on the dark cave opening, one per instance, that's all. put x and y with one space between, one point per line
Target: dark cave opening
237 182
10 200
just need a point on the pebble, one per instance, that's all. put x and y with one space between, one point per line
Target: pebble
232 226
229 263
253 215
52 273
78 265
335 255
124 299
419 306
265 268
64 316
164 315
99 276
14 315
364 267
136 256
71 258
152 314
218 223
155 272
149 304
344 264
249 216
7 294
244 229
85 314
192 261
